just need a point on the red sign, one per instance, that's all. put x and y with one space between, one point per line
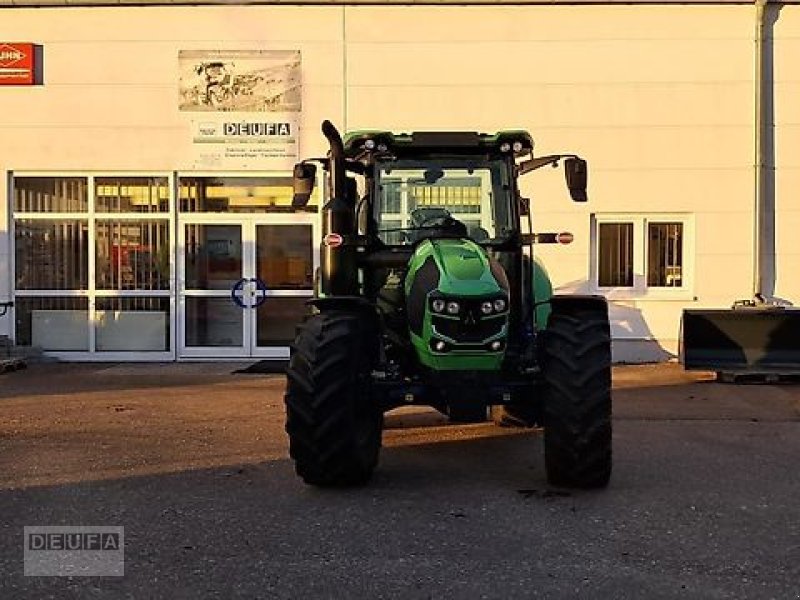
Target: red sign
16 64
565 237
333 240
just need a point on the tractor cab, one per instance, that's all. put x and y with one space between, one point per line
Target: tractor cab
427 186
427 295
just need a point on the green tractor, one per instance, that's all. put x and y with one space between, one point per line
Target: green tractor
426 295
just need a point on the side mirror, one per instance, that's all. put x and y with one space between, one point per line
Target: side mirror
524 206
303 178
576 172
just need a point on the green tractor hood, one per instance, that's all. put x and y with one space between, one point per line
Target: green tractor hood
464 268
448 283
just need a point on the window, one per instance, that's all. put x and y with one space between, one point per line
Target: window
241 195
664 254
615 255
132 194
92 263
51 195
412 194
132 255
635 255
51 254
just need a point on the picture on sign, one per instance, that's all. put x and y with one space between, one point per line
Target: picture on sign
240 80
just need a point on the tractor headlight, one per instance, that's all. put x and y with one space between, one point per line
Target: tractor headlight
499 305
453 308
517 146
486 308
369 144
505 147
438 305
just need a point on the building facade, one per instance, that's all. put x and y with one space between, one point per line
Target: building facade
145 204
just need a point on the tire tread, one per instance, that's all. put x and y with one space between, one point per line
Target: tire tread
577 411
326 395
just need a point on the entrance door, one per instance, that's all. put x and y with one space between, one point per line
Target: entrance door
244 281
284 280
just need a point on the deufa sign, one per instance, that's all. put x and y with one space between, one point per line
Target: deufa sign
16 64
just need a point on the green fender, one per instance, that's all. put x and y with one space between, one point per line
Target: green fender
542 292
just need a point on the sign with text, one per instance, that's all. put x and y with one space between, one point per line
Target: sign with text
17 64
236 141
243 107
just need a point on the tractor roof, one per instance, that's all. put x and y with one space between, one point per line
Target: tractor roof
422 142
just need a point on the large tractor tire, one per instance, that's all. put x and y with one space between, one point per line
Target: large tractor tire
333 423
577 409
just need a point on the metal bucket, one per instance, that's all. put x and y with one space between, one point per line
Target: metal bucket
747 339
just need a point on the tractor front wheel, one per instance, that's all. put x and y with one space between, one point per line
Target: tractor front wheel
334 424
577 408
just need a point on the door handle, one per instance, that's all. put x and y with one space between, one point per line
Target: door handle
237 288
260 292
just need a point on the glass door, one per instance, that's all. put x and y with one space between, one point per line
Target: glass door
244 281
284 274
213 290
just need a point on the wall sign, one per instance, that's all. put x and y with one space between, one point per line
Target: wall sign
243 107
16 64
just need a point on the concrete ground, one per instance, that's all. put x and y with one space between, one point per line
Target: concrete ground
192 460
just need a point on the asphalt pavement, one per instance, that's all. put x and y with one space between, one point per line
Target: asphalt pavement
191 460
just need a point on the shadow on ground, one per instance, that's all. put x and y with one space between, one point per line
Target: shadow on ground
193 463
42 379
680 519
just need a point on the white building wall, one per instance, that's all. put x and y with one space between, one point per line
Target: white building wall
110 94
659 99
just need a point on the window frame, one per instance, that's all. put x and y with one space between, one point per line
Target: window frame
93 292
641 240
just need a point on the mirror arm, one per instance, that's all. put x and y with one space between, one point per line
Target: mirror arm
350 165
542 161
355 166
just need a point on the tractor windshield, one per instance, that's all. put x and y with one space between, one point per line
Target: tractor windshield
415 196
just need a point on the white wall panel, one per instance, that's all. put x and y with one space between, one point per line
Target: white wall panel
659 99
111 79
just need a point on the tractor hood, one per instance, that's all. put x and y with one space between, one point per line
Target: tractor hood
447 284
464 268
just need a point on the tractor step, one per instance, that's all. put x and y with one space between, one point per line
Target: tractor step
758 377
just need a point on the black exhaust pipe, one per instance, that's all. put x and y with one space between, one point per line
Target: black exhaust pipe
339 275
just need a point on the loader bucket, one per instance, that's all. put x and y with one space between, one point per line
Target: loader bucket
755 340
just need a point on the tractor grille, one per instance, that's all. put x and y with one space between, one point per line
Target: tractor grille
469 328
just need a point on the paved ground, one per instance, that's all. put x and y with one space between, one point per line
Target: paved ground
191 460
